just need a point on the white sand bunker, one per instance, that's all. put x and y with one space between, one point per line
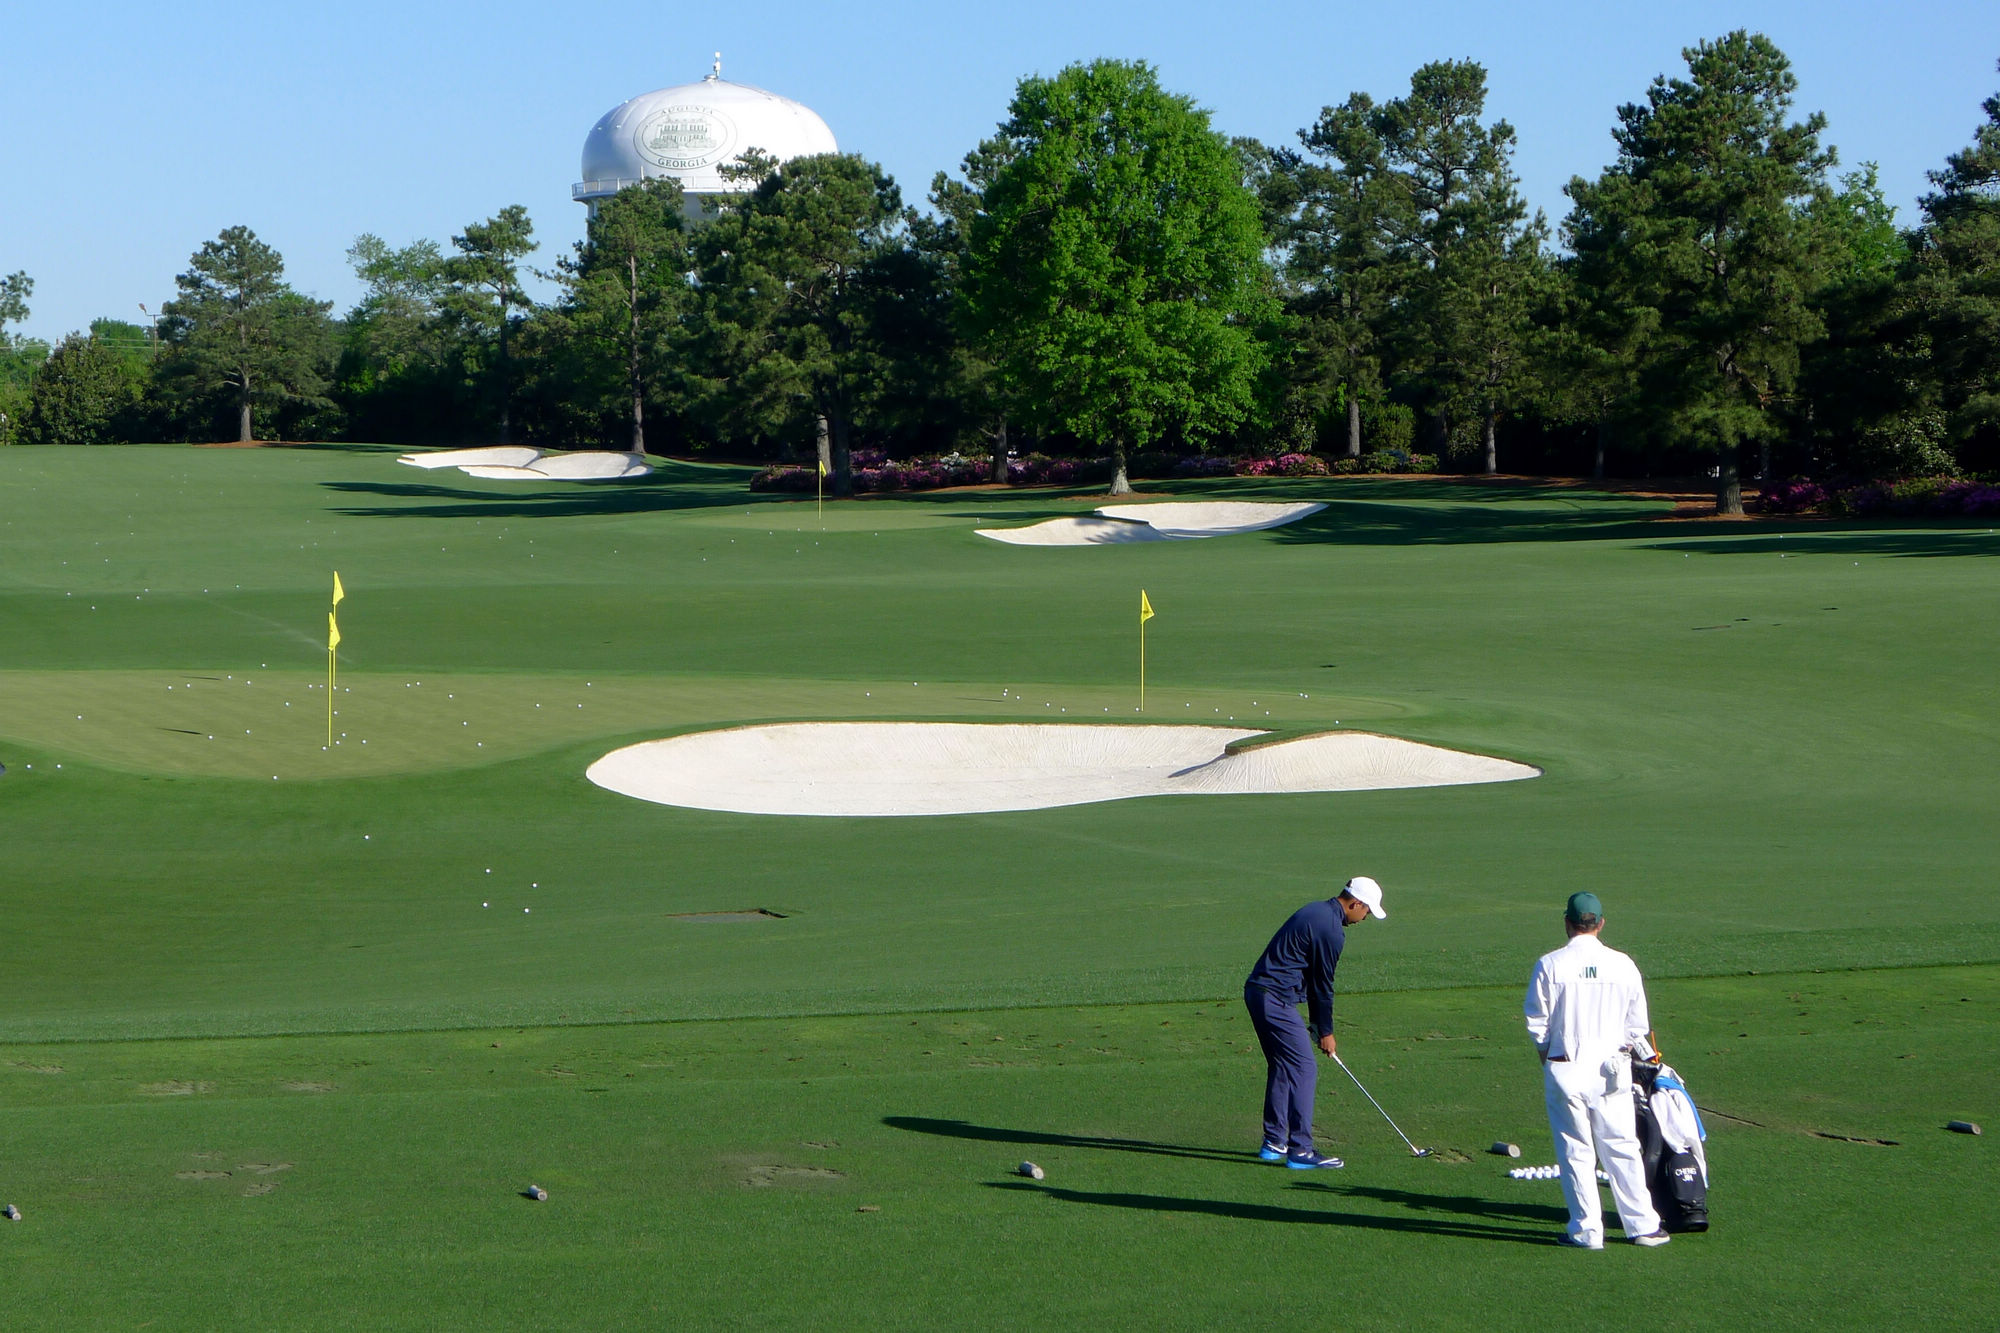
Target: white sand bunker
591 466
499 455
1092 531
1175 521
921 768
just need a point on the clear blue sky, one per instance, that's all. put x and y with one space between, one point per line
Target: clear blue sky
131 133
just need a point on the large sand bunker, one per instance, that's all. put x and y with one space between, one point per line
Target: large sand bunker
1173 521
921 768
499 455
519 463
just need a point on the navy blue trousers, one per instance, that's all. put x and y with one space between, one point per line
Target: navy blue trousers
1291 1074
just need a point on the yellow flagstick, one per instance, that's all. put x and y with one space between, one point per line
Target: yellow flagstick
1145 614
819 490
332 657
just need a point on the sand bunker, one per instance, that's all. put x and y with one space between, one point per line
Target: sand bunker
1174 521
919 768
1076 532
512 462
499 455
590 466
1212 518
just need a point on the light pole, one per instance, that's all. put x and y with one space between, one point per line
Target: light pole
153 325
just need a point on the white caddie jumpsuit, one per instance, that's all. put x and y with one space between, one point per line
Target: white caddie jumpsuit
1587 1003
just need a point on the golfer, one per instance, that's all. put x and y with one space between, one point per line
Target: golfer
1586 1005
1297 967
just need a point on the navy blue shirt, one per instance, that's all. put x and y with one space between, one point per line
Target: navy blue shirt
1299 961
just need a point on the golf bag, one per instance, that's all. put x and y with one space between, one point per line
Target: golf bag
1670 1140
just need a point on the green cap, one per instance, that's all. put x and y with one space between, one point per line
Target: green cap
1582 905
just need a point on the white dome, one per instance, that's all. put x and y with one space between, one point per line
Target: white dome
688 133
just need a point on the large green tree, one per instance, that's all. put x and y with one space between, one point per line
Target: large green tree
15 289
1341 276
1954 281
82 394
627 290
792 280
485 292
402 360
1116 268
964 362
1702 225
17 363
237 328
1471 268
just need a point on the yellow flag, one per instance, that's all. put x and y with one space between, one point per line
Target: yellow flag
822 467
1145 607
338 591
332 632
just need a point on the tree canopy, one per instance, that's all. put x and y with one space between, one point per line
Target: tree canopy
1701 230
1115 266
237 328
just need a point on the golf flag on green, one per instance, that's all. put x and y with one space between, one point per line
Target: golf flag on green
332 646
1145 614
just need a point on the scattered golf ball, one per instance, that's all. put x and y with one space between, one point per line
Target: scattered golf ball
1030 1170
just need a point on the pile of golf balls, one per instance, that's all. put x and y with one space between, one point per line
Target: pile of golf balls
1548 1173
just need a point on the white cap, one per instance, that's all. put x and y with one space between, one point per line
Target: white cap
1368 893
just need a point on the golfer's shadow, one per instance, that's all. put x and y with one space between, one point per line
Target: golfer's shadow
1435 1215
963 1129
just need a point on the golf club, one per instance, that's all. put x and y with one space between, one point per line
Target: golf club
1415 1151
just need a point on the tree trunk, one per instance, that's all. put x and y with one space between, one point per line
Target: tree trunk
1489 434
1119 484
505 437
824 443
632 362
843 463
243 434
1597 463
1728 484
998 436
1353 425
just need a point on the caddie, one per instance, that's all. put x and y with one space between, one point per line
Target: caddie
1586 1005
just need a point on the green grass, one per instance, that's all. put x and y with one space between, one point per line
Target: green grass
1768 746
723 1168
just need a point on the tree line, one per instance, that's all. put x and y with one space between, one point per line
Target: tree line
1109 276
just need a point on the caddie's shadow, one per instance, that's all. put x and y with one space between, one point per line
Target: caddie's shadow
1430 1215
963 1129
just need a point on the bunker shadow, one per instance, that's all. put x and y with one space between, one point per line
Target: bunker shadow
558 500
1429 1215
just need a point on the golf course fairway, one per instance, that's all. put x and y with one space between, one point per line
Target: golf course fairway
291 1025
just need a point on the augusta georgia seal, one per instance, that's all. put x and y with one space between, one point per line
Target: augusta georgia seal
684 137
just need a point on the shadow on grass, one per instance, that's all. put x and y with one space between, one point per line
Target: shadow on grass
1418 1221
1953 540
963 1129
660 493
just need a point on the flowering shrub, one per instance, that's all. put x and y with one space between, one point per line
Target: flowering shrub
1205 467
1942 497
1793 497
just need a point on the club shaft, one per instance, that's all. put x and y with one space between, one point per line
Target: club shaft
1372 1102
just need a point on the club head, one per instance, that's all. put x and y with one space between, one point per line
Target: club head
1420 1152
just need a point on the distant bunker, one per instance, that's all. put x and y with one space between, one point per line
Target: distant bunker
1170 521
949 768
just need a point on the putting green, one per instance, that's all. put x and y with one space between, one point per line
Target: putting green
265 723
